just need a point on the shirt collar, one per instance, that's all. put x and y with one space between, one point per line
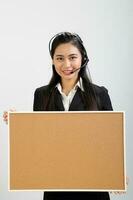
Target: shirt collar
78 84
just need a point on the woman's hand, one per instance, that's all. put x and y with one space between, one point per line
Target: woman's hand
118 192
5 115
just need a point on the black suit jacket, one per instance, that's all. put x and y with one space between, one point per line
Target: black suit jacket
55 104
42 95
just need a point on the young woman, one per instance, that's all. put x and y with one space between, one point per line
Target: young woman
70 89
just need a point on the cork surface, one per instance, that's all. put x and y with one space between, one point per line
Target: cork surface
70 150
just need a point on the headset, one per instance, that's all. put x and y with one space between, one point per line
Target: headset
85 56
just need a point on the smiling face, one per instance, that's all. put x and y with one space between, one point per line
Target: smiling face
66 59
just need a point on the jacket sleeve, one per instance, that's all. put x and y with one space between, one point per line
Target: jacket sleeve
105 99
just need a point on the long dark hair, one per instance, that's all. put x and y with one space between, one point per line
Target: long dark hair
89 96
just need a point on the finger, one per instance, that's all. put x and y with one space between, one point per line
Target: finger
5 113
120 193
5 116
6 121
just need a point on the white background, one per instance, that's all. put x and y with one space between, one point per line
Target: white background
25 29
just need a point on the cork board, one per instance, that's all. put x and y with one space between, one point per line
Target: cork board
66 150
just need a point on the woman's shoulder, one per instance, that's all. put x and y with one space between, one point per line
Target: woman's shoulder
103 96
100 89
42 89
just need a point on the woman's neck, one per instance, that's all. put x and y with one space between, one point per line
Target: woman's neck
68 85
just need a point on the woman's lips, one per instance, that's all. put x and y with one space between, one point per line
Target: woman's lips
67 72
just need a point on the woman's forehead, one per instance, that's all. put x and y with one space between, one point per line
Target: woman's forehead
66 48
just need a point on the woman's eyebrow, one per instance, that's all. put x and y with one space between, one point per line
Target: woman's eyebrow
58 55
72 54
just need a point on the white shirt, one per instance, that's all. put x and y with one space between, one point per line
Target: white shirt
67 99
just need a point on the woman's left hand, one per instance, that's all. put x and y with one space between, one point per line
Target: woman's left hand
121 192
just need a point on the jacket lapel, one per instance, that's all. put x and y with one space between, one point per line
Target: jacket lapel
58 101
77 102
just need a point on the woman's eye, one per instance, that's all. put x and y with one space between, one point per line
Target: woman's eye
59 58
73 57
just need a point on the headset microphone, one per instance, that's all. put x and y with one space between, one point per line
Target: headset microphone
81 66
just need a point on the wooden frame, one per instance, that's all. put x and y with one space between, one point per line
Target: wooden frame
66 151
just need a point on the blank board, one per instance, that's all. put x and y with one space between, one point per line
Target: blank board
66 150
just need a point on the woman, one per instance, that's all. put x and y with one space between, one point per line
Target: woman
70 89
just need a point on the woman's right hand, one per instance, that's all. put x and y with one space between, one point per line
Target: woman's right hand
5 115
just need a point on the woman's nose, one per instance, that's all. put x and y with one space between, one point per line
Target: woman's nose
67 63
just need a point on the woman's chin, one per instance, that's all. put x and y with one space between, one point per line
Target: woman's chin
69 77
